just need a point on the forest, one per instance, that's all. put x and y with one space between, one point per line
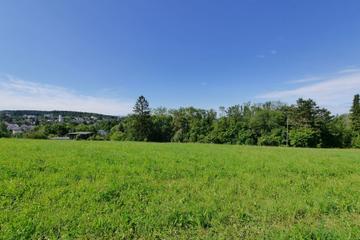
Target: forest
303 124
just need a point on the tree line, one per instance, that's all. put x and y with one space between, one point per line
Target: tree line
303 124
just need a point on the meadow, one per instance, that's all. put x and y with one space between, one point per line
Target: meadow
133 190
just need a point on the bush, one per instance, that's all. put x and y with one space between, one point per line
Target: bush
36 135
245 137
303 137
356 141
270 140
179 136
118 136
3 131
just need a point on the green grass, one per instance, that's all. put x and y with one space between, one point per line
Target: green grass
125 190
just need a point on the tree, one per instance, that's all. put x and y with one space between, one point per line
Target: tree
341 132
355 114
3 130
308 119
303 137
141 120
162 128
304 112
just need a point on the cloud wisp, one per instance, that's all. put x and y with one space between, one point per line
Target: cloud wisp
334 93
349 70
271 52
305 80
25 95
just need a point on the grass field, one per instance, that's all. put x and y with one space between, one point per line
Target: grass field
125 190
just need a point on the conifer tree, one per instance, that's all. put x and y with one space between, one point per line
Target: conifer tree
142 120
355 114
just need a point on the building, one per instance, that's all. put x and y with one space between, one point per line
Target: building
61 119
14 128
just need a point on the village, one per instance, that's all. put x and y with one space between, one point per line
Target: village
64 126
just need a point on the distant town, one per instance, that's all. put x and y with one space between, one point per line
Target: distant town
57 124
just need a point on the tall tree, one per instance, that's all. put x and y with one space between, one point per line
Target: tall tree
142 120
310 123
141 107
355 114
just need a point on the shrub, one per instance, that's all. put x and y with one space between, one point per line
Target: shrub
3 130
270 140
245 137
303 137
36 135
118 136
356 141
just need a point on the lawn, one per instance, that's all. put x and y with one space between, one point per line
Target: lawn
129 190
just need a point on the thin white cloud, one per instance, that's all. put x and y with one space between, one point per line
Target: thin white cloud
20 94
305 80
349 70
335 93
270 52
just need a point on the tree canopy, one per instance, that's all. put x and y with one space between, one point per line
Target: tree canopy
303 124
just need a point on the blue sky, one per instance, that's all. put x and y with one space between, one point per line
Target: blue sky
101 55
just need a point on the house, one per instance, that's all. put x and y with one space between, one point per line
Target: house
14 128
80 135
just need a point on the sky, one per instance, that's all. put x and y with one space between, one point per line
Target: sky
99 56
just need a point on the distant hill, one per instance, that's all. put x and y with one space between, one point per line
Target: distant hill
19 113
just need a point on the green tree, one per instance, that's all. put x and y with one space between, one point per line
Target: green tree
303 137
162 129
3 130
341 132
308 119
355 114
142 121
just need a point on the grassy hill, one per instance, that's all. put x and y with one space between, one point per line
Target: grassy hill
125 190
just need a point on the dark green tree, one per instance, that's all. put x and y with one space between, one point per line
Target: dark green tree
3 130
141 120
310 123
355 114
162 128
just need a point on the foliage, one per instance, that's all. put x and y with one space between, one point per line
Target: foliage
134 190
37 133
162 128
304 124
303 137
3 130
355 114
356 141
141 121
275 138
267 124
